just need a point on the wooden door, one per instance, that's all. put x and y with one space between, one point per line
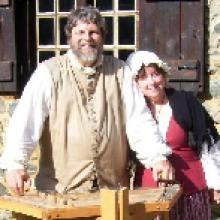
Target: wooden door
175 31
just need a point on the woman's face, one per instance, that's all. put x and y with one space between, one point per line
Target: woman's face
152 83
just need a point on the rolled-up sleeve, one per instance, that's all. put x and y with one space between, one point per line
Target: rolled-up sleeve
143 134
26 124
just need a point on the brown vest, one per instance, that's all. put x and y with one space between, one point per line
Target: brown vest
84 136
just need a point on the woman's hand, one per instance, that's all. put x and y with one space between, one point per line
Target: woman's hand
164 172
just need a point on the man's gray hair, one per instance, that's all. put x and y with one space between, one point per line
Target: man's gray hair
86 14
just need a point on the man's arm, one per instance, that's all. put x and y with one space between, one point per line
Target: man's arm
25 128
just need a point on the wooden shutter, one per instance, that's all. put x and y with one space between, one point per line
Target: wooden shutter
7 48
17 44
175 31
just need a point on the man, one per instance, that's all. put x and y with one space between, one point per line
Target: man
78 107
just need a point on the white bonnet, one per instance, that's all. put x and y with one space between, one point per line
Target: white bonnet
136 59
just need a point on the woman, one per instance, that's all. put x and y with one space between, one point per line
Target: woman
180 118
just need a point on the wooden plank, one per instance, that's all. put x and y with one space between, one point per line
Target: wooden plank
44 208
7 34
184 70
155 198
192 38
159 27
91 212
7 50
20 208
109 204
6 71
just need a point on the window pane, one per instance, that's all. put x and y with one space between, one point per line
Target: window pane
62 32
46 6
126 30
44 55
63 52
123 54
90 2
126 5
109 34
66 5
104 5
46 31
108 52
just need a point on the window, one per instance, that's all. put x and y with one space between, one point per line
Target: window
121 21
34 31
50 21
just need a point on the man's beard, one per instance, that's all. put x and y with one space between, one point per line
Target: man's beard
89 58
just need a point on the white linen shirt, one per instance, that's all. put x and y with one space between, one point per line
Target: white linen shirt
28 119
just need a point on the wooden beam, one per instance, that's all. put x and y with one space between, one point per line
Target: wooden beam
109 205
123 201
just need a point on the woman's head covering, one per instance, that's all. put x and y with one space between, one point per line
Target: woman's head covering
139 58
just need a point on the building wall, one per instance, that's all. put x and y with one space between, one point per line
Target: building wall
7 106
212 99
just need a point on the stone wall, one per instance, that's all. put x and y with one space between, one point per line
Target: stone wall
212 103
7 106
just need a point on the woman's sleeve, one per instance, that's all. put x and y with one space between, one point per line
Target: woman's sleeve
142 132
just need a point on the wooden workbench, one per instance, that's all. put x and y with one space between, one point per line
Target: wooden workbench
120 204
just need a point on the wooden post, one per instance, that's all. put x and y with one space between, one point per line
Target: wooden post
109 205
123 200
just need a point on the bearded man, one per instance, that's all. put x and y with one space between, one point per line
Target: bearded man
79 107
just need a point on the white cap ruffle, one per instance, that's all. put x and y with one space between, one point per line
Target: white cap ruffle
136 59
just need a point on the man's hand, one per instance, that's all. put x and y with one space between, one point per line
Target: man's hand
18 181
163 171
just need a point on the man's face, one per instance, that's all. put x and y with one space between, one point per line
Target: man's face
86 42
